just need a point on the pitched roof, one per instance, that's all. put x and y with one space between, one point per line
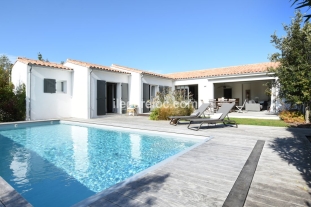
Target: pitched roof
232 70
138 71
42 63
214 72
95 66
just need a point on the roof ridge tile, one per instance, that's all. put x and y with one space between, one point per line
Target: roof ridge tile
140 71
42 63
231 70
96 66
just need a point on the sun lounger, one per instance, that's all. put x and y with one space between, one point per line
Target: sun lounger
197 113
222 114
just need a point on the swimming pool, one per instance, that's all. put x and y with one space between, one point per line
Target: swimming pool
60 164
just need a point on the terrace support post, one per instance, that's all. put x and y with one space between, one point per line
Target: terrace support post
307 114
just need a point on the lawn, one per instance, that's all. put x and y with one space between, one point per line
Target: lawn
260 122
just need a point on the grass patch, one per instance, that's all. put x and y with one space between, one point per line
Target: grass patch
260 122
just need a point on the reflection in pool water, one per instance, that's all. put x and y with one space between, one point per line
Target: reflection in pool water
62 164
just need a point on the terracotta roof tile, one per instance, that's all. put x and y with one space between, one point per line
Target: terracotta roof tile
95 66
139 71
233 70
42 63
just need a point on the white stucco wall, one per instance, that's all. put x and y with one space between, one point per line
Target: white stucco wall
111 77
239 83
80 91
240 78
49 105
19 74
136 81
153 81
40 105
236 88
135 89
80 99
276 105
205 89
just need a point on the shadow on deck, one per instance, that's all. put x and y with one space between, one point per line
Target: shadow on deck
296 152
135 193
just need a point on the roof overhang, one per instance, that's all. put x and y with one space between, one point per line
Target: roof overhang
49 67
106 70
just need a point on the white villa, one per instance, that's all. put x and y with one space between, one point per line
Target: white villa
85 90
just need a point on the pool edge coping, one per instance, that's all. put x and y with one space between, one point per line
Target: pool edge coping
133 128
16 199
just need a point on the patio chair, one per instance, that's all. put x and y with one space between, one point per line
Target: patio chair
220 102
222 112
213 103
240 107
175 119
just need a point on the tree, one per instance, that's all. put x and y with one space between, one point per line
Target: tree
41 58
12 102
293 73
5 63
302 4
5 67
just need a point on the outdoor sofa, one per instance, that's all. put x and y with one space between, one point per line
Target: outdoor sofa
252 106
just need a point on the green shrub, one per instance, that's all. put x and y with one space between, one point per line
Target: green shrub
12 102
171 103
164 112
154 115
12 105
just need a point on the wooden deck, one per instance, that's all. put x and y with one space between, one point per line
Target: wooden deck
205 175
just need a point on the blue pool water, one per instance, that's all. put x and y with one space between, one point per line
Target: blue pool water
62 164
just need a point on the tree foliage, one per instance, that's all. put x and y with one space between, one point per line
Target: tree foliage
302 4
40 57
5 65
293 73
12 102
171 103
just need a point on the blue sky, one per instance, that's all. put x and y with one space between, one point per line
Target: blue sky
162 36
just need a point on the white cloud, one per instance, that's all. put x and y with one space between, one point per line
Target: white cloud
12 58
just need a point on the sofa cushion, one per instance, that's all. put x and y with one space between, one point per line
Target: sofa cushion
252 107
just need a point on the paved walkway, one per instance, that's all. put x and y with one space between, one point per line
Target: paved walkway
205 175
254 115
247 114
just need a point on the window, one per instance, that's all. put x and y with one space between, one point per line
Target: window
184 91
49 85
62 86
164 89
161 89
